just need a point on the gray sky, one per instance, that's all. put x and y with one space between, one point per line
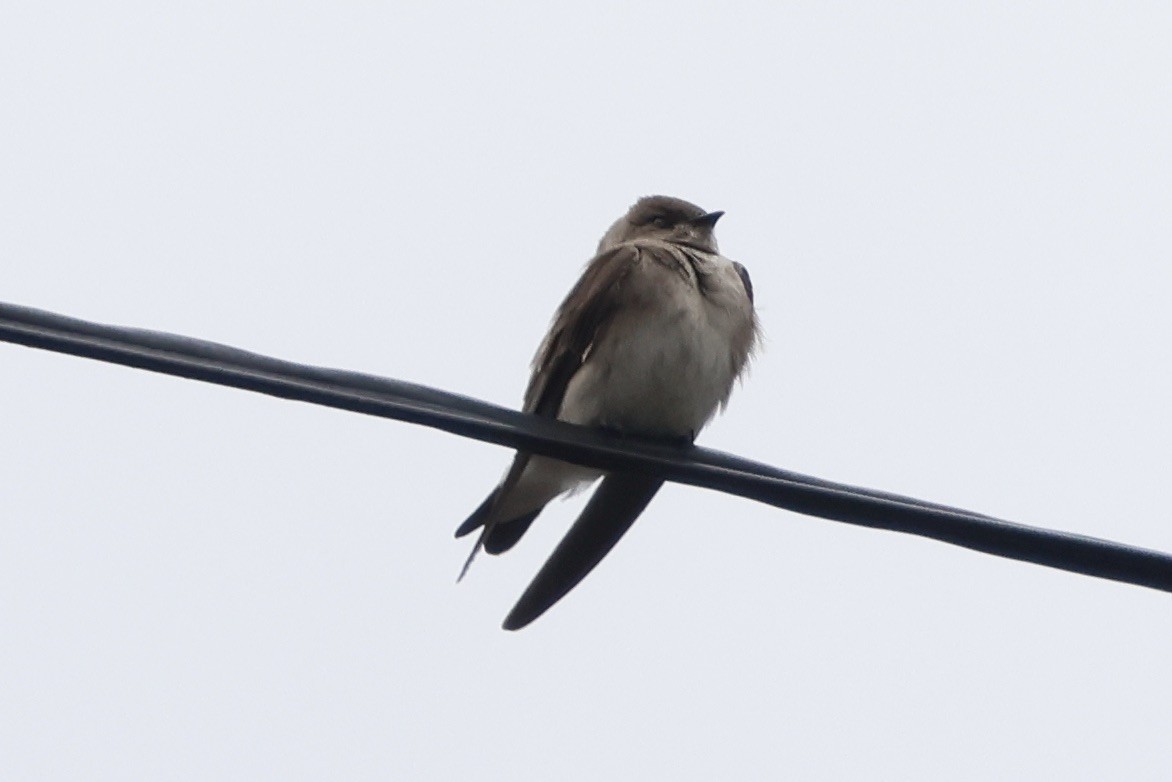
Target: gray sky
957 221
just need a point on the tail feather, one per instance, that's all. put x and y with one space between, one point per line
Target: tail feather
496 536
609 514
476 519
504 535
508 511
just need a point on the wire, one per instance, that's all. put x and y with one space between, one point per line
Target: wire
214 363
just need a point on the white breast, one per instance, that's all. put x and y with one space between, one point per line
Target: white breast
663 369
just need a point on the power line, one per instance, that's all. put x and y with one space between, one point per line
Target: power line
214 363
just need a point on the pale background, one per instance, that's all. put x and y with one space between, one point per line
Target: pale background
957 220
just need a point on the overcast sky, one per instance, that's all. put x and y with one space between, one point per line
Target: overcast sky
957 221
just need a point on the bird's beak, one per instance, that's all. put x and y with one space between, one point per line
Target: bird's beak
708 220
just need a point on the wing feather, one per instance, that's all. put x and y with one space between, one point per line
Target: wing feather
578 324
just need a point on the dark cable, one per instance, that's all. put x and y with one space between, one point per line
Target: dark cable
214 363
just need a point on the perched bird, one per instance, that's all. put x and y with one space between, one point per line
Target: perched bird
649 343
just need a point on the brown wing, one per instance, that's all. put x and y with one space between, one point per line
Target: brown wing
745 279
611 281
577 325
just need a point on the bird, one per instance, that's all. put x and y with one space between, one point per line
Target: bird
648 343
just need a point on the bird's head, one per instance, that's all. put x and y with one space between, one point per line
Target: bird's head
667 219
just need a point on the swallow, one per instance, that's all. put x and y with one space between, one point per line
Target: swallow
648 343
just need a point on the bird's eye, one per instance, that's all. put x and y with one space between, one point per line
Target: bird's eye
659 221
